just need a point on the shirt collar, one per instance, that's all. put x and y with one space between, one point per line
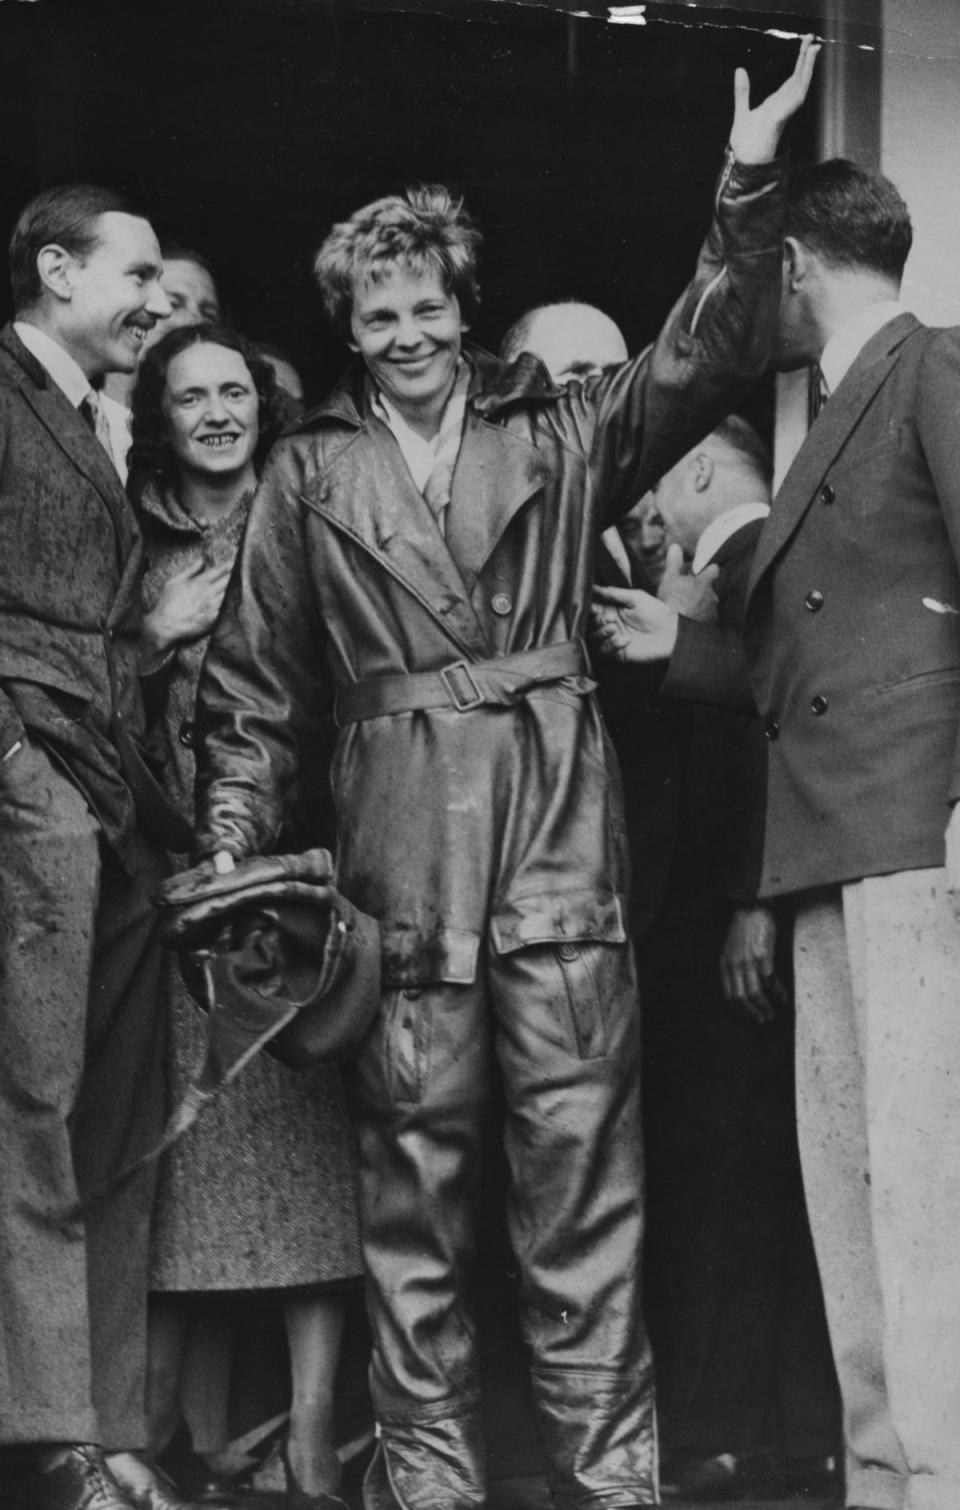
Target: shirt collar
846 344
719 530
65 372
418 453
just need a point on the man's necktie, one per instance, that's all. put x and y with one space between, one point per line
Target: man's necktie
92 410
819 392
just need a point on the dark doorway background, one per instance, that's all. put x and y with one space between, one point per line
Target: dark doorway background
587 151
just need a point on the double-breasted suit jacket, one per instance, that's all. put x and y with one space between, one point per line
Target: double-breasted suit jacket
852 624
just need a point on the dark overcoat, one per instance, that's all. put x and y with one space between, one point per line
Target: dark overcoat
500 822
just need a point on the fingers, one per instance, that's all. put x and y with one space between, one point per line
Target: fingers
741 93
673 565
805 64
617 597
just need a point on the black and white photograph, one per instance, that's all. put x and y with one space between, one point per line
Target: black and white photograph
480 755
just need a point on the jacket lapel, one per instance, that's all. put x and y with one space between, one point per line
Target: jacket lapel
497 472
68 430
391 520
827 438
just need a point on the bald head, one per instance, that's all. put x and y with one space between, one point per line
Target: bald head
572 340
729 467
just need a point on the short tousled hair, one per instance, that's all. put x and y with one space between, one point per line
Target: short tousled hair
850 217
65 216
426 228
151 456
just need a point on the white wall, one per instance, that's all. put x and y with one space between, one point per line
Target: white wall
920 145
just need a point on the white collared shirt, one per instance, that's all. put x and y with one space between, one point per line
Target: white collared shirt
69 378
846 344
719 530
119 418
420 455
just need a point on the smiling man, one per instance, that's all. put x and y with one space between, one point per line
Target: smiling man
80 1046
424 546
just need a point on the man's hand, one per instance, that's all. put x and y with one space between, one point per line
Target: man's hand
755 134
953 859
690 595
630 625
186 609
747 972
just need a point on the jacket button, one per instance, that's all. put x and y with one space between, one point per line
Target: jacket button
185 734
568 952
501 604
771 729
813 601
827 493
819 704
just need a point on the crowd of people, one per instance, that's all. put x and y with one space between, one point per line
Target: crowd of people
616 888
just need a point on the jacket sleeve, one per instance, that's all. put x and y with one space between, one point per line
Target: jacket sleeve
709 665
937 409
639 419
263 674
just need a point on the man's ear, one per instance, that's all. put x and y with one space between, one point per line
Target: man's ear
703 468
55 268
795 262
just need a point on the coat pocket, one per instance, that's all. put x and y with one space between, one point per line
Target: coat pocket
406 1044
588 1009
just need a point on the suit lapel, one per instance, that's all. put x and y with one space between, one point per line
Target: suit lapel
828 436
496 473
71 434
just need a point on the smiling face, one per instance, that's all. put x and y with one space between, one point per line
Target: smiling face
409 331
212 409
111 298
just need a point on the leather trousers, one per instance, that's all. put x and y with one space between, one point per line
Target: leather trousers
562 1020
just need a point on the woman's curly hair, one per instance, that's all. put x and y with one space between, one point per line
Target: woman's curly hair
151 457
425 227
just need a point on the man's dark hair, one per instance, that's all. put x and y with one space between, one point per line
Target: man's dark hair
151 456
65 216
175 251
850 217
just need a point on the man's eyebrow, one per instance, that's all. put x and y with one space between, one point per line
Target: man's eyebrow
146 269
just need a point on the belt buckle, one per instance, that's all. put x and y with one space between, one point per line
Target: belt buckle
475 696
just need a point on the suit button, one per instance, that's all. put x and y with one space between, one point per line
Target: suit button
819 704
827 493
813 601
568 952
501 604
185 734
771 729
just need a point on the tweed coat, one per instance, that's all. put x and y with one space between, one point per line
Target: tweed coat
852 624
498 823
70 561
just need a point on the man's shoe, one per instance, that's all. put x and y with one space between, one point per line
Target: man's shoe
69 1478
145 1486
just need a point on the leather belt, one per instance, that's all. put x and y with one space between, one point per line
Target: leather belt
463 685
